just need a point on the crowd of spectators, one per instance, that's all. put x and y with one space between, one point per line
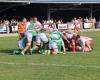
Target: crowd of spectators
74 20
7 24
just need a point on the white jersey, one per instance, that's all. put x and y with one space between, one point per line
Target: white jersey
70 35
82 40
38 25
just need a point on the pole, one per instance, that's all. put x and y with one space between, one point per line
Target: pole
48 12
91 12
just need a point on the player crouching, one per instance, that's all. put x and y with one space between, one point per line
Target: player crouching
84 43
56 42
41 42
69 40
24 44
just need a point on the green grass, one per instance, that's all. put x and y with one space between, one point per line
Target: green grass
80 66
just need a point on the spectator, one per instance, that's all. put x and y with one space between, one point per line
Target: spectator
7 23
86 20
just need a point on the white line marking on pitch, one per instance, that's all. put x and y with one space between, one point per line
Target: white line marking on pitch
54 65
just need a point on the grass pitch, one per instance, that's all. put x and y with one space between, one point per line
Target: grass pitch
79 66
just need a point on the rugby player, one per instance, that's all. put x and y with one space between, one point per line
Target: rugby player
56 42
69 40
29 35
84 43
22 28
41 41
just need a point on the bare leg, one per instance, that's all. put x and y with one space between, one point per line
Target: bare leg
88 46
49 51
55 51
64 49
28 45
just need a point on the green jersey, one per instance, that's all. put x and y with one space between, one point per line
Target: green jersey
56 37
30 28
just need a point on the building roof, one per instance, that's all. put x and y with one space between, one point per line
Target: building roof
66 1
53 1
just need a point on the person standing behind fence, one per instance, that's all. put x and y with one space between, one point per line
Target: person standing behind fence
7 26
77 24
93 22
13 26
22 27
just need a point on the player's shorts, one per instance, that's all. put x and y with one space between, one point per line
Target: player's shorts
41 37
29 36
53 45
22 34
21 43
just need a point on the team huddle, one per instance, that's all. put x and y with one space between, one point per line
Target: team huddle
33 38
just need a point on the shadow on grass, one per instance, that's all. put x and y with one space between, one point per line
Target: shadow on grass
11 52
7 51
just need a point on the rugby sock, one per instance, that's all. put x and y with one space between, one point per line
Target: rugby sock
43 49
59 49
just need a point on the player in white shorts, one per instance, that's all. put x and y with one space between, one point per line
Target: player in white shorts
69 40
28 37
21 43
56 39
41 37
25 43
70 35
84 43
41 41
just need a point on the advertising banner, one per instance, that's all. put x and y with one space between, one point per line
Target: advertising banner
62 26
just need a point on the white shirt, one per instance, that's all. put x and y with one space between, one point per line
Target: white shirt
38 25
82 40
70 35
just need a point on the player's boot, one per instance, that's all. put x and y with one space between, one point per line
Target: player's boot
17 51
22 52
